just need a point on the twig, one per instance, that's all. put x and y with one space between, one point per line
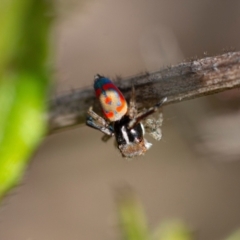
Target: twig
181 82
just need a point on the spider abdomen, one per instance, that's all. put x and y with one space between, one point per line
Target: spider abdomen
112 101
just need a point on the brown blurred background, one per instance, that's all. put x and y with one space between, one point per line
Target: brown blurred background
193 174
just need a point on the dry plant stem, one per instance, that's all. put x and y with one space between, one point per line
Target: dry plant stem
181 82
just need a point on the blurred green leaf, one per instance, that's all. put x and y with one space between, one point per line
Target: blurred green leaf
134 225
173 230
235 235
132 218
24 83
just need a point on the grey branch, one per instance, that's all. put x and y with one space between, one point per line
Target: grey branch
184 81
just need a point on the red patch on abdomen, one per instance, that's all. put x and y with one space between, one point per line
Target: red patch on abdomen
108 100
109 115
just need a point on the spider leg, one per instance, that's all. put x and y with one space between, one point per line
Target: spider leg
99 123
132 110
105 137
144 114
153 126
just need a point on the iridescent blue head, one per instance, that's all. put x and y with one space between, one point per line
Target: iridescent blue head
100 81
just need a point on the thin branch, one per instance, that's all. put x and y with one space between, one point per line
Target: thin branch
184 81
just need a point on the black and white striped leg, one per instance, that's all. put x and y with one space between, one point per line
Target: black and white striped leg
99 123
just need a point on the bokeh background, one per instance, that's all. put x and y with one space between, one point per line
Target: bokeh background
192 174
